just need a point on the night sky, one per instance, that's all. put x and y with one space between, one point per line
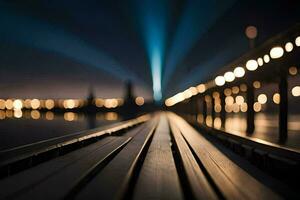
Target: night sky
59 48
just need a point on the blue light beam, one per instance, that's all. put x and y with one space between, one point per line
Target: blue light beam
37 34
197 17
153 19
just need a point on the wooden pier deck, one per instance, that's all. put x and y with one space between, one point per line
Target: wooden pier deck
157 156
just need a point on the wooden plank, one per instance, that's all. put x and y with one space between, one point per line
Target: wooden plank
270 147
112 182
199 184
18 153
232 181
53 179
158 178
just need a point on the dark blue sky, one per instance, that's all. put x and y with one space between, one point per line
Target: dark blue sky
57 48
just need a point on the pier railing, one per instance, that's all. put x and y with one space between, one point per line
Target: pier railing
233 89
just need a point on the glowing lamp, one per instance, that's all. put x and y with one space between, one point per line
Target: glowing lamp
18 104
260 61
296 91
257 107
293 70
297 41
239 72
266 58
251 65
276 98
251 32
201 88
289 47
220 80
262 98
229 76
276 52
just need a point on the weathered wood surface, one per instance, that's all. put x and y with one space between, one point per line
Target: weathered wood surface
112 182
163 158
53 180
18 153
231 180
158 178
200 186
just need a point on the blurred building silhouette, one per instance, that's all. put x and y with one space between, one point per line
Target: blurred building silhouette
129 108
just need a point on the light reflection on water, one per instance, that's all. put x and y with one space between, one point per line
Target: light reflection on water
29 126
49 115
266 127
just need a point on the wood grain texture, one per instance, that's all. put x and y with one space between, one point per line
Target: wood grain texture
53 179
8 156
232 181
158 178
113 180
199 184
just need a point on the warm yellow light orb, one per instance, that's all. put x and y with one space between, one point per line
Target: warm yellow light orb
201 88
239 72
220 80
49 104
256 84
276 98
2 104
239 100
276 52
289 47
266 58
257 107
70 116
35 114
227 92
229 100
296 91
18 104
293 70
111 103
251 65
260 61
262 98
251 32
297 41
49 115
244 107
229 76
235 90
235 108
139 101
9 104
218 108
69 104
35 103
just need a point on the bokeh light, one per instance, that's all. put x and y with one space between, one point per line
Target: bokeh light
296 91
220 80
276 98
35 103
139 101
266 58
293 70
276 52
251 32
251 65
239 72
289 47
262 98
201 88
229 76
